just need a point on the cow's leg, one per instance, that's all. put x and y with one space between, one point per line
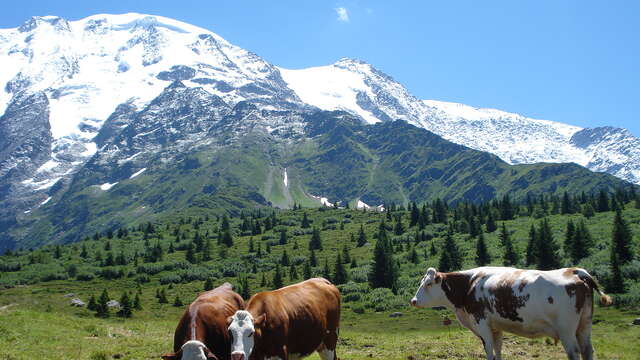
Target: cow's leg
584 337
497 344
570 344
327 348
483 331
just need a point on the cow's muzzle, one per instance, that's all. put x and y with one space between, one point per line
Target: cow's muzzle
413 302
237 356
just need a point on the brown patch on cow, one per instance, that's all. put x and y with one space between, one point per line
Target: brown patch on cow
301 319
522 285
550 300
580 291
205 320
506 302
569 272
460 290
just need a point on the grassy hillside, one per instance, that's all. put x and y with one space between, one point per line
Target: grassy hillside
36 319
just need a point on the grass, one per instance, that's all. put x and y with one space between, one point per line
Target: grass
39 324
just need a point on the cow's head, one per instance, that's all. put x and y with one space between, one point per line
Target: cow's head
191 350
244 329
430 292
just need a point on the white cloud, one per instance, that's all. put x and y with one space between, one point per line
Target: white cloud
343 15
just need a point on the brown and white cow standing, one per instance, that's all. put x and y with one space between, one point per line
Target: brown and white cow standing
288 323
202 331
531 303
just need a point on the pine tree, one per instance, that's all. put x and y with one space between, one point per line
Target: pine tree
277 277
208 284
362 237
102 309
283 237
137 303
511 257
316 242
491 223
450 257
568 237
588 211
84 254
125 306
567 205
398 228
313 260
581 243
305 221
482 253
162 298
548 258
621 239
531 256
603 201
616 283
190 255
384 272
206 250
177 302
245 290
284 260
354 263
413 255
293 272
227 239
263 280
346 256
415 215
92 305
340 275
251 246
306 270
325 270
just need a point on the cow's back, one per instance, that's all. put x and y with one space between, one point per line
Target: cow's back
301 314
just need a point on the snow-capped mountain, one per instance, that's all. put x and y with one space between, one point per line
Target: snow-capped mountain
361 89
117 118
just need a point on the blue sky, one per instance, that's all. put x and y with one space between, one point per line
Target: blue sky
573 61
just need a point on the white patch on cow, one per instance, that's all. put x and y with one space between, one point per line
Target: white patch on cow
326 354
241 329
193 350
193 313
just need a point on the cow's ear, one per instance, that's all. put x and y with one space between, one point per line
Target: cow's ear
431 272
438 278
170 356
260 320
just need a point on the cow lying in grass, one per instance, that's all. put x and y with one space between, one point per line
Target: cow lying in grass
288 323
202 331
531 303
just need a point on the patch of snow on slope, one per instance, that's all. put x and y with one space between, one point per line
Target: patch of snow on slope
137 173
46 201
107 186
286 178
323 200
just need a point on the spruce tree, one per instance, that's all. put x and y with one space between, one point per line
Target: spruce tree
621 239
616 284
362 237
190 255
102 309
206 250
177 302
125 306
283 237
277 277
227 239
293 272
450 257
511 257
313 260
588 211
491 223
137 303
603 201
316 242
92 305
326 273
208 284
398 228
482 253
305 221
245 290
548 257
306 270
384 272
340 275
284 260
531 256
346 256
354 263
413 255
162 299
568 237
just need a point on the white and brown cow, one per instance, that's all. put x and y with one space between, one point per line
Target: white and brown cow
202 331
531 303
288 323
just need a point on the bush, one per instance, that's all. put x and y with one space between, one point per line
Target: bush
358 309
171 279
85 276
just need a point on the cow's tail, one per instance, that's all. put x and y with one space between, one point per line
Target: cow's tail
605 300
